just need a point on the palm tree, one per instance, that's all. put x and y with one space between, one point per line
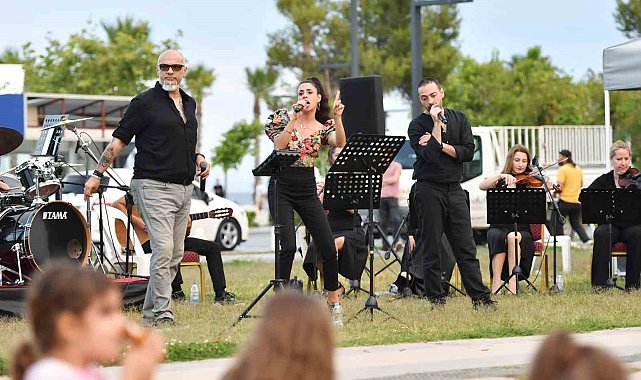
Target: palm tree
261 83
138 30
199 78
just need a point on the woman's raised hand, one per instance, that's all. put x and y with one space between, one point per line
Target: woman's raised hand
338 105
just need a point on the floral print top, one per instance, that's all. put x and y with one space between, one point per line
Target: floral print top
308 146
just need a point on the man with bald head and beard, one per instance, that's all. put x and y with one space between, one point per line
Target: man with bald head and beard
163 120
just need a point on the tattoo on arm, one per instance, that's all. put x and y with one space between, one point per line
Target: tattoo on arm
107 157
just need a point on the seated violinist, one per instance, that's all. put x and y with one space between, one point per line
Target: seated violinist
500 237
630 234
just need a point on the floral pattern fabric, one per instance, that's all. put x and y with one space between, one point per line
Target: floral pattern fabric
308 146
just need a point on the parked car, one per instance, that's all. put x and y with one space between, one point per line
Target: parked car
228 232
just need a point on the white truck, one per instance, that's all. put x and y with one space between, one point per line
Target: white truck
586 142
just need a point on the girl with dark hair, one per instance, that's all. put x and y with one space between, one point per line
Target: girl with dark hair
76 323
305 128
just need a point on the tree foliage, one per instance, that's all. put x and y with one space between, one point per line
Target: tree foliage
120 64
628 17
317 33
235 145
526 90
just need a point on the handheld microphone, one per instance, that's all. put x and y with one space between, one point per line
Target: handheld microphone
441 116
203 167
299 107
535 160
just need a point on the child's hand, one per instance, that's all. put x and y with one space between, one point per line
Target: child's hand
146 352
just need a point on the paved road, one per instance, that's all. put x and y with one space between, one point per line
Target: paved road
457 359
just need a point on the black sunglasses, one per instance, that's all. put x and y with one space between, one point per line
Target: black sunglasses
174 67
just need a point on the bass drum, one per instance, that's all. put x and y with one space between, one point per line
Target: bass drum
42 233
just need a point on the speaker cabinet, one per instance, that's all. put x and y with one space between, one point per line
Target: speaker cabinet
363 99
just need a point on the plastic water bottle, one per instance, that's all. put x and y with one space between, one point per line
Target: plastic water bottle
194 293
559 281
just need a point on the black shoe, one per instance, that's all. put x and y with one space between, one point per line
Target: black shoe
485 302
164 322
227 297
179 296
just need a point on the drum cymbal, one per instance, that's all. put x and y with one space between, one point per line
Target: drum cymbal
59 164
10 139
65 122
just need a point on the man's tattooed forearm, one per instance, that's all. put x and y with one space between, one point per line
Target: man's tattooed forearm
107 157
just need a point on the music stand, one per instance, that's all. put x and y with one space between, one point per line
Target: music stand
369 155
607 206
272 166
514 206
350 191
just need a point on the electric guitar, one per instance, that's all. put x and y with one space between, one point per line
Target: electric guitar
143 236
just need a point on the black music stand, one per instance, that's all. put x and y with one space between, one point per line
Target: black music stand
350 191
369 155
607 206
272 166
514 206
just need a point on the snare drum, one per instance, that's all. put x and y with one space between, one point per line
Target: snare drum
44 169
53 231
13 197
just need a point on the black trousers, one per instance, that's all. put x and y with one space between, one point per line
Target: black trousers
573 212
211 251
631 236
297 192
389 215
442 208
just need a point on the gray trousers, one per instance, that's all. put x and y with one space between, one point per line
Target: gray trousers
164 207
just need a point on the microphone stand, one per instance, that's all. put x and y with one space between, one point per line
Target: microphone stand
556 216
84 145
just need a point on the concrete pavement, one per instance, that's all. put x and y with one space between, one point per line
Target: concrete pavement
457 359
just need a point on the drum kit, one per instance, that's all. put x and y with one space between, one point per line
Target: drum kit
34 230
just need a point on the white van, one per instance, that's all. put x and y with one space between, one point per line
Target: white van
586 142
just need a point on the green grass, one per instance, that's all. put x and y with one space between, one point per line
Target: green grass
204 330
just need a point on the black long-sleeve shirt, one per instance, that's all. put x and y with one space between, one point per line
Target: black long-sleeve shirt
604 181
431 163
166 145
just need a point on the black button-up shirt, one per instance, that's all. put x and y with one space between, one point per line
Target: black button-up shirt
431 163
166 146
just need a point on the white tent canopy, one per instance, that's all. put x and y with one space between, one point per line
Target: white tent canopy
622 66
621 71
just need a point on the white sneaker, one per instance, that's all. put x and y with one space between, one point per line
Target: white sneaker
337 314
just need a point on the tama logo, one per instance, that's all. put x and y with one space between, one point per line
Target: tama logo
54 215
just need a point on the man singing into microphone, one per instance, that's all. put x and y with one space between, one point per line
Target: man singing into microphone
163 119
442 139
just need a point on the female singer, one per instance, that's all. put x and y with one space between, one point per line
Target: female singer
305 129
630 234
500 237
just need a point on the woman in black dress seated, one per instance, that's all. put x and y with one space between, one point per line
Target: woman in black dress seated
630 234
500 237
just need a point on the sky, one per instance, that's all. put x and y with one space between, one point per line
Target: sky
229 35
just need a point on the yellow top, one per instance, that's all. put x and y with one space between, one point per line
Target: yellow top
571 179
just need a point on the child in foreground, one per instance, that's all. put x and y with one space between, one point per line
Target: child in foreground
76 323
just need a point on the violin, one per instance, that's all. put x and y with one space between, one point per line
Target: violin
533 180
630 179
